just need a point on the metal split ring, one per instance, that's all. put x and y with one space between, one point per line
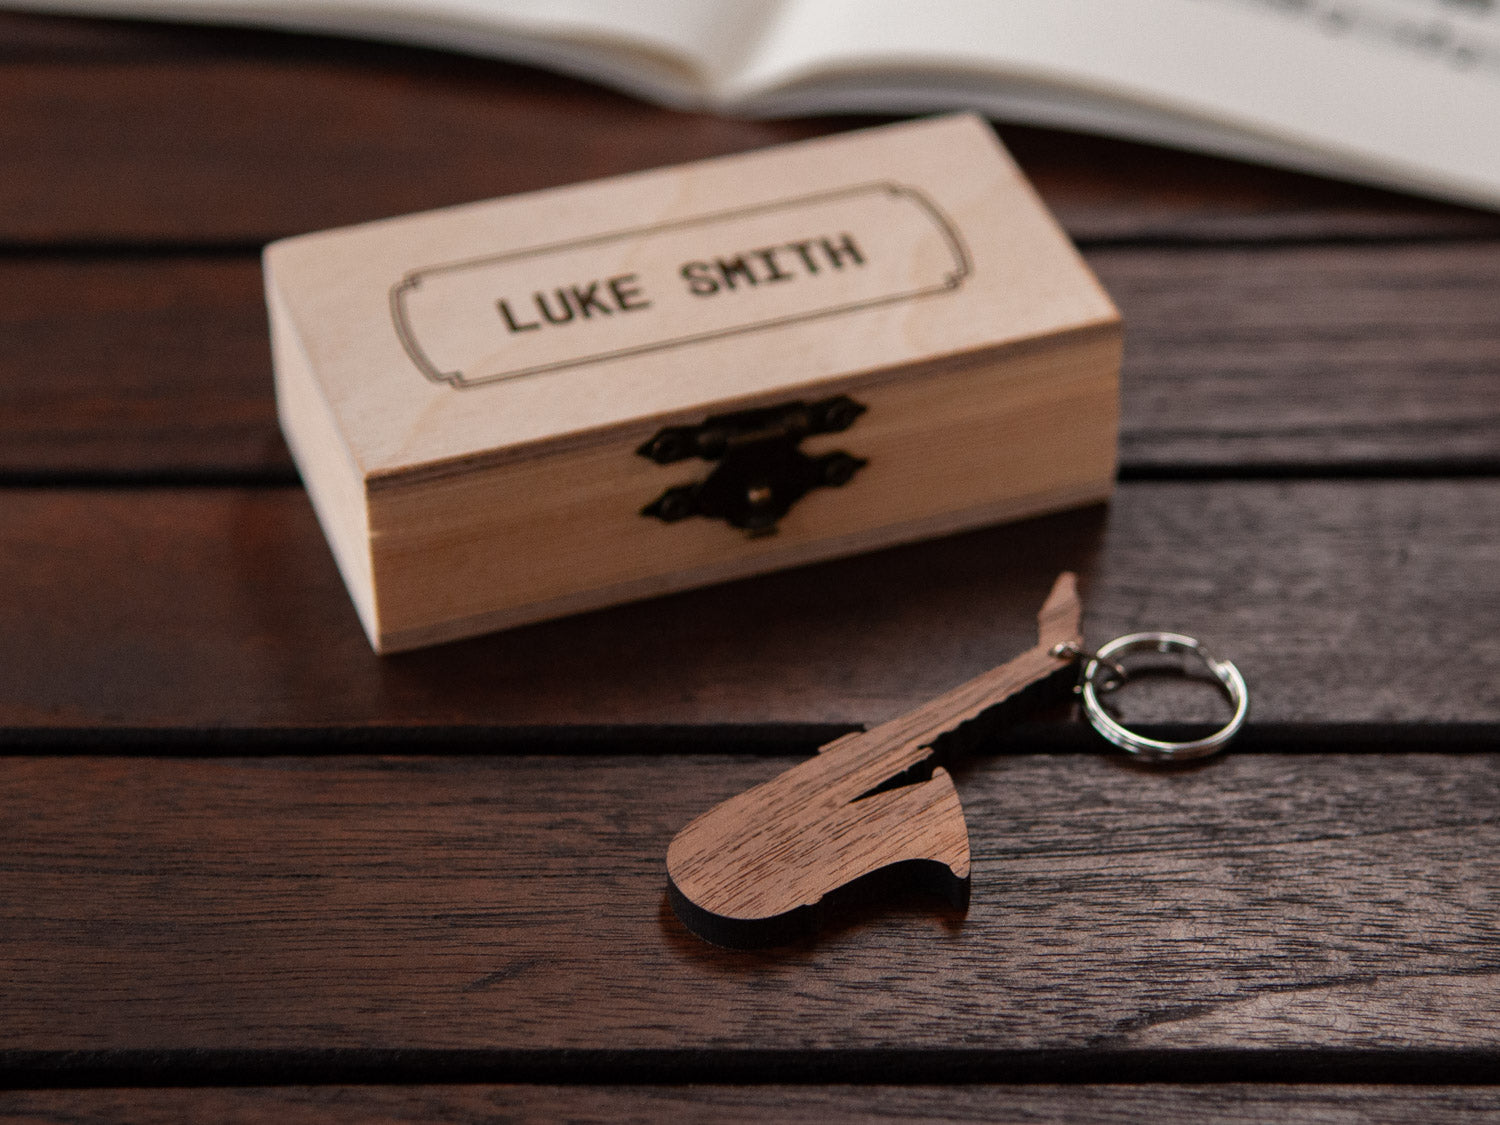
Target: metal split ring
1103 672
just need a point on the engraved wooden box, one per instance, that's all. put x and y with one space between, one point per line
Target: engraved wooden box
532 406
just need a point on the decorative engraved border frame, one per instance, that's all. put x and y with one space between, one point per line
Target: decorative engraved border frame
962 267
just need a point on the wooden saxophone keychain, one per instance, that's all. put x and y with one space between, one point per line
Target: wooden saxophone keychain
752 870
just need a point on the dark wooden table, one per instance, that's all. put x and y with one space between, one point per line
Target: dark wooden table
250 871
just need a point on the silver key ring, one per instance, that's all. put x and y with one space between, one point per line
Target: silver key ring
1104 663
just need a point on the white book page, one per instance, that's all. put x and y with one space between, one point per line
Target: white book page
671 50
1403 92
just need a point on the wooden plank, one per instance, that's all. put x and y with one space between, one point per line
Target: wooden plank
1308 357
1105 1105
29 37
1342 602
202 135
1106 190
1270 358
246 150
136 366
158 915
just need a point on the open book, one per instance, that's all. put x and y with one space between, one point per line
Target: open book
1400 93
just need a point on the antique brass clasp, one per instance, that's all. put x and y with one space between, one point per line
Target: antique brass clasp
761 470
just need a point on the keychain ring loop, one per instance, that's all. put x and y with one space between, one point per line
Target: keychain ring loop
1104 662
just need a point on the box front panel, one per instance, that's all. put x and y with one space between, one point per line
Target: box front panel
1014 433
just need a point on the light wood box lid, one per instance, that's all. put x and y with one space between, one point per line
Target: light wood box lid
399 323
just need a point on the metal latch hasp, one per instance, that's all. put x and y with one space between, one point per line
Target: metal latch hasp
761 470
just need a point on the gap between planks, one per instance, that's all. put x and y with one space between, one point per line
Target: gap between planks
151 1073
1061 732
835 1105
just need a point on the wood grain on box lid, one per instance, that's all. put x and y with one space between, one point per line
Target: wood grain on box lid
445 335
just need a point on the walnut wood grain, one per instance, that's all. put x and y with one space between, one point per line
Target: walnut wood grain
1274 358
166 913
1084 1105
755 868
205 135
219 609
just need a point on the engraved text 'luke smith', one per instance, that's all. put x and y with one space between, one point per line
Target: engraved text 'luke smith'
675 283
608 296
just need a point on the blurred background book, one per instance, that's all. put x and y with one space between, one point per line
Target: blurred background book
1397 93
